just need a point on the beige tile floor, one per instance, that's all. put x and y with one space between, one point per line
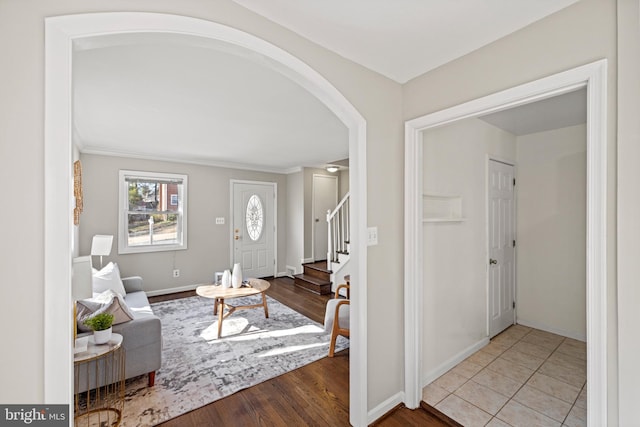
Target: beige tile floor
523 377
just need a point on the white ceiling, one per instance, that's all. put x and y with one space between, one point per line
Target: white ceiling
177 97
557 112
402 39
183 98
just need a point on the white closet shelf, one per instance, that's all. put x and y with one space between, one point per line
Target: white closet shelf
444 219
442 208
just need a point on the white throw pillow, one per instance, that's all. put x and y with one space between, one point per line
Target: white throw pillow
106 302
108 278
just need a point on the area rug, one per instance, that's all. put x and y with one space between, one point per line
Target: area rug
198 368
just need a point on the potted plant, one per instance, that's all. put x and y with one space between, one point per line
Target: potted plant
101 326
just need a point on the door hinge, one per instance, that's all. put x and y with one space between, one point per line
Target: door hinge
514 304
514 243
514 182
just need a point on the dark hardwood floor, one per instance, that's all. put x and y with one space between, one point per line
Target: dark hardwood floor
314 395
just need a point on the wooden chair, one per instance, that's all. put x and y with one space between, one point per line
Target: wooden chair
336 318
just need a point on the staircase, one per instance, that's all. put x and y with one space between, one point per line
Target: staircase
315 278
318 277
338 239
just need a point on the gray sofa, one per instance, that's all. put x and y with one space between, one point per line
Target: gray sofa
141 337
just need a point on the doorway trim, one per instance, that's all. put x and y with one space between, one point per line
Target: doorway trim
60 32
593 76
274 185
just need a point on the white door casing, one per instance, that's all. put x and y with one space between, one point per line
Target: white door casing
501 241
594 77
324 198
253 227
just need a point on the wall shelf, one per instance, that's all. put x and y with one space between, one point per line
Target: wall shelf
439 208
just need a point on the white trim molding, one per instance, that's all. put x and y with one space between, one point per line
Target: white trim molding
60 33
593 77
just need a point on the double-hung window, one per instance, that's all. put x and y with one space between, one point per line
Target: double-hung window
153 212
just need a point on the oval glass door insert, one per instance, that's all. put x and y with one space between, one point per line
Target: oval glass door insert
254 217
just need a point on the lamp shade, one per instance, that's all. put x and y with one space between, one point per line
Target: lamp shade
82 275
101 245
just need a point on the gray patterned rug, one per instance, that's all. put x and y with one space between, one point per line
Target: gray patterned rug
198 368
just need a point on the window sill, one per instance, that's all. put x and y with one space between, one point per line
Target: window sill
147 249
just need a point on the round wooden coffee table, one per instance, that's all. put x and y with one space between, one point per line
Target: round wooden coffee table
219 294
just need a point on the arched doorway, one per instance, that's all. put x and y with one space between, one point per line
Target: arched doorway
60 34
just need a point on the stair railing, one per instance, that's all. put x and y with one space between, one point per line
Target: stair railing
338 230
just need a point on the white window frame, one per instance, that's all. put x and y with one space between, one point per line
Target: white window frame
123 209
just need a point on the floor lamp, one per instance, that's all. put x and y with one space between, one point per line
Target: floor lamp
81 286
101 246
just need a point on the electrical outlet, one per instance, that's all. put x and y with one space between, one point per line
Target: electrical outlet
176 273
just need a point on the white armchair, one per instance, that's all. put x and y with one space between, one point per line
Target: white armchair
336 317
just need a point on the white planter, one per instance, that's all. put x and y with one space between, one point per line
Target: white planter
236 276
102 337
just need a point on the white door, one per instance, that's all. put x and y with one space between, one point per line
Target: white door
502 242
325 198
254 228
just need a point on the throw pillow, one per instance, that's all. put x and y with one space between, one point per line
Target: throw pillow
108 278
106 302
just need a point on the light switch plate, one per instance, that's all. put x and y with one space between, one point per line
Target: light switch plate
219 220
372 236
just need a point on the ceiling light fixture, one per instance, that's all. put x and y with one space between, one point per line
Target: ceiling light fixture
332 168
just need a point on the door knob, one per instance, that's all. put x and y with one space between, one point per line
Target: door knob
493 261
237 237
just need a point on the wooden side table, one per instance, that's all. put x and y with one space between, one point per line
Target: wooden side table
99 383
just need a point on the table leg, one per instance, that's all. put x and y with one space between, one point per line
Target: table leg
215 307
264 303
220 316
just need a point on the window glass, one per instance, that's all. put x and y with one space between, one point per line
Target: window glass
154 213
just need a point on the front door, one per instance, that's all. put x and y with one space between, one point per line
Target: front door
501 262
254 226
325 198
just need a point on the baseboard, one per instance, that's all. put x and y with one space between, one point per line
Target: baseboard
306 260
283 274
551 329
171 290
386 406
452 362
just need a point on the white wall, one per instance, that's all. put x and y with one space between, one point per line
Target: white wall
343 181
628 209
551 230
22 38
295 221
455 254
208 243
579 34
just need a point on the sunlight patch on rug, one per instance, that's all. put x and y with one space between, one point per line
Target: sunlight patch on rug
290 349
198 368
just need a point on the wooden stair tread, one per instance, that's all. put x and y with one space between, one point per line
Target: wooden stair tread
322 267
312 279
